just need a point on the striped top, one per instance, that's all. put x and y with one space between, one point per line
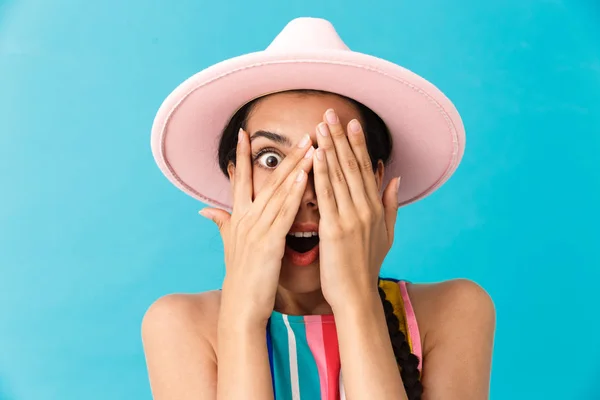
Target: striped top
304 354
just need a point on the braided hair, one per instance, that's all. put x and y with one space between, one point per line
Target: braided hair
379 146
407 361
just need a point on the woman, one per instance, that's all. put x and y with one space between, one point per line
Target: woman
305 194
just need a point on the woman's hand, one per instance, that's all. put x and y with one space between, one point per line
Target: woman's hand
254 234
356 229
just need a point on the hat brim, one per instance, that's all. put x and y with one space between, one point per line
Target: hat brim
428 133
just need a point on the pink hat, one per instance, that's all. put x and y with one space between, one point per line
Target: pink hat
428 133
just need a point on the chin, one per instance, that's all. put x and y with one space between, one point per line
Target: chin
300 279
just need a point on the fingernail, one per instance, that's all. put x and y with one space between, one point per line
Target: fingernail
300 176
304 141
323 130
205 213
240 135
320 154
310 152
331 116
398 184
354 126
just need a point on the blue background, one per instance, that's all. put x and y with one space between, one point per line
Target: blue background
91 233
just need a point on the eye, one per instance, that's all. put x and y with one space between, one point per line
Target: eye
268 159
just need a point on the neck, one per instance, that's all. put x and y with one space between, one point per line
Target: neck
311 303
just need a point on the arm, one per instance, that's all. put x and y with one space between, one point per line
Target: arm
459 340
369 368
244 371
459 321
181 361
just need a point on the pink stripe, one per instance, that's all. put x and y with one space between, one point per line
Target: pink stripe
411 321
314 336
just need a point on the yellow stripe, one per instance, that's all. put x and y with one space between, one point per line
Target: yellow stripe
393 294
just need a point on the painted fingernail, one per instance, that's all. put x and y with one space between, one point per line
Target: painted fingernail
323 130
320 154
310 152
205 213
240 135
331 116
304 141
300 176
354 126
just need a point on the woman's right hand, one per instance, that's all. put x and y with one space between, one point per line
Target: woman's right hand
254 233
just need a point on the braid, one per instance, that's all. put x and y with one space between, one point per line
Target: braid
407 361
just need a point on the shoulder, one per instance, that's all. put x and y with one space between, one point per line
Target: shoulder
452 295
178 338
456 322
445 306
183 314
183 308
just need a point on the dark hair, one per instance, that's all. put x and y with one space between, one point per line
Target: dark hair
379 146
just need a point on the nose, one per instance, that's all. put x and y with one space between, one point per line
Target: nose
309 198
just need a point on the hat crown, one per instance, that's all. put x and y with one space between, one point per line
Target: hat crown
307 34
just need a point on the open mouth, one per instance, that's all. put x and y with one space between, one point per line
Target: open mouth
302 242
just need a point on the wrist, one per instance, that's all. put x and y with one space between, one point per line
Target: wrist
241 319
234 316
243 309
234 327
367 304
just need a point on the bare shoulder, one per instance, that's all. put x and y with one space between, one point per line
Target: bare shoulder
197 312
453 295
185 303
178 336
456 321
440 307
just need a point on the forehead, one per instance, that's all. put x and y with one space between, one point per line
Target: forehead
295 114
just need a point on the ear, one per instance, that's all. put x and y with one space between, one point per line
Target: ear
379 174
231 171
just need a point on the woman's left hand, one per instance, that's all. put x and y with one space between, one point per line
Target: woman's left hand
356 228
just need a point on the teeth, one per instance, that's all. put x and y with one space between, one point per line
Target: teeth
303 234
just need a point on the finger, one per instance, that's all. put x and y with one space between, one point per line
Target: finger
323 188
282 172
218 216
346 158
390 206
242 183
289 193
336 175
282 223
358 142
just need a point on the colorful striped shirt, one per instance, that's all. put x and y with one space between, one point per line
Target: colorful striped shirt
304 354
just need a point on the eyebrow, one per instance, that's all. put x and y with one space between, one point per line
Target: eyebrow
272 136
